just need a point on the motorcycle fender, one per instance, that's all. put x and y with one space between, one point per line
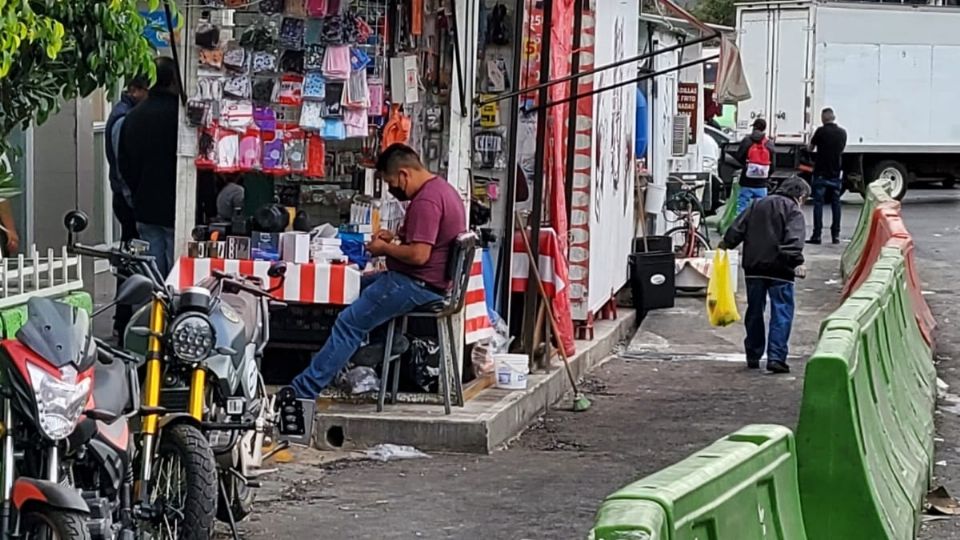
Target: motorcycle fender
177 418
28 491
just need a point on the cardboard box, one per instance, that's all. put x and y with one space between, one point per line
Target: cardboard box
295 247
238 247
265 246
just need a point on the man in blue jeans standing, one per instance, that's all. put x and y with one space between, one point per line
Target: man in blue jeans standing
147 159
756 153
828 141
771 231
416 264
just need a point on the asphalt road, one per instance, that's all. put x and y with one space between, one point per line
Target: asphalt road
646 415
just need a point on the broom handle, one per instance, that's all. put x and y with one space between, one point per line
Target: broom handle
546 302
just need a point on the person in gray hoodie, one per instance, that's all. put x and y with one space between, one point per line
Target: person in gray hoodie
756 155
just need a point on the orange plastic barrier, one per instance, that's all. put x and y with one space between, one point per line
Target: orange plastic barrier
888 230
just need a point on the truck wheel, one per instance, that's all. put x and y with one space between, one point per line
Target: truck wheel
895 173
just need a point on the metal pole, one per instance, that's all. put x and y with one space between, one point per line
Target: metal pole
506 249
643 77
531 300
632 59
572 113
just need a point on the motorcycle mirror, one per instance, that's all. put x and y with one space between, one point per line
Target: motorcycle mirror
277 270
76 221
134 291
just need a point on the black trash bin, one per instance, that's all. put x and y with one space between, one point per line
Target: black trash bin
652 274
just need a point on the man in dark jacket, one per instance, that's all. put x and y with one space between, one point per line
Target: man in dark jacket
756 154
136 92
772 231
148 162
829 141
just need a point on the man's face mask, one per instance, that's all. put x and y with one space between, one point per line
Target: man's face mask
394 186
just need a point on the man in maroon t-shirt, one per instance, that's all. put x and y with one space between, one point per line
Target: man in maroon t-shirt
416 263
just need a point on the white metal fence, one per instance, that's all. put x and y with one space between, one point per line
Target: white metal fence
50 274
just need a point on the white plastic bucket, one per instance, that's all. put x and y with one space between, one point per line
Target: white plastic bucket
656 195
511 371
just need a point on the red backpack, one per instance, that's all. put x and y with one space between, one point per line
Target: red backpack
759 154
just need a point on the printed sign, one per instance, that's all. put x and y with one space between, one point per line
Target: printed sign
688 98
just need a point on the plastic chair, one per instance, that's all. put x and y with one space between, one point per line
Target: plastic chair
462 253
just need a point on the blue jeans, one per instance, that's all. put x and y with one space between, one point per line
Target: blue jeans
781 319
823 189
161 245
383 297
748 195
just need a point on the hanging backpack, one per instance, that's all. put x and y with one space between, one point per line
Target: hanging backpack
758 160
497 32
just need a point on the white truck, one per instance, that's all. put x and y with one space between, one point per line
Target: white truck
891 72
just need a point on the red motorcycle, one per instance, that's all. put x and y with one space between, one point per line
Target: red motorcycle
48 376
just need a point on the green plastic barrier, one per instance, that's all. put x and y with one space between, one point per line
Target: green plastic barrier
865 436
11 319
875 193
742 487
630 520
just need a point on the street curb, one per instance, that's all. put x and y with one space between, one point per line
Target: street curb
483 425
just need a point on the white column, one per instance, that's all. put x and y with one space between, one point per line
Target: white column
186 207
461 118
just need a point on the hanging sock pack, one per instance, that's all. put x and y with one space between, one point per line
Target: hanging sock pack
336 63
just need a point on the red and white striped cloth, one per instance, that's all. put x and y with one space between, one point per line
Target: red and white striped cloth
307 283
476 321
548 259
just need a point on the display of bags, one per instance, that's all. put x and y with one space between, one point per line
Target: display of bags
721 300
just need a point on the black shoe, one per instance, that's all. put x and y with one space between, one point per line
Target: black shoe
778 367
814 241
372 354
836 240
753 364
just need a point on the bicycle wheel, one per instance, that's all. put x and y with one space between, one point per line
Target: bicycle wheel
688 242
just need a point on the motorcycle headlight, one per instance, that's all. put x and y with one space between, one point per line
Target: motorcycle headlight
59 403
192 337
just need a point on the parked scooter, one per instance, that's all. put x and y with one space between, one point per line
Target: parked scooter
174 488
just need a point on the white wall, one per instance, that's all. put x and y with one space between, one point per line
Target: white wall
662 104
614 167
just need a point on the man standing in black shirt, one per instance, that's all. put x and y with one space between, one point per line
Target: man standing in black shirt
148 162
829 142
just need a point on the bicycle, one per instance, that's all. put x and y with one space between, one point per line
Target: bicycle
691 238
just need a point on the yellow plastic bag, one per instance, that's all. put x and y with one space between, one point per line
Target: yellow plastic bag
721 302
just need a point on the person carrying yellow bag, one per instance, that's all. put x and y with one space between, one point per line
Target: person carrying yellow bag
772 232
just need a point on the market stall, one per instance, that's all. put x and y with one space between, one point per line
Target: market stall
287 105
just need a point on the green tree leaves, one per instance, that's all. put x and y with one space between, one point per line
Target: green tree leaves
717 12
56 50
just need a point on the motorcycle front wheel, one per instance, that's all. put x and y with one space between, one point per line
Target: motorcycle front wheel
54 525
184 488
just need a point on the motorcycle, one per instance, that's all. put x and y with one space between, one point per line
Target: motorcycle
48 373
221 327
174 489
